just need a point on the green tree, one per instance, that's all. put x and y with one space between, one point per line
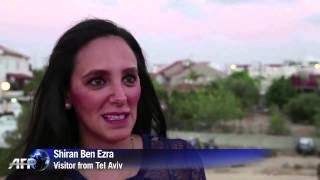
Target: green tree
162 93
280 92
303 108
317 124
189 109
278 124
35 82
244 87
193 75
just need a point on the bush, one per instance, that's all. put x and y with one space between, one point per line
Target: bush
160 90
31 86
280 92
188 110
5 159
278 124
244 88
303 108
317 125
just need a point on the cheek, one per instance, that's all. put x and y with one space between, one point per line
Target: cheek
134 97
84 102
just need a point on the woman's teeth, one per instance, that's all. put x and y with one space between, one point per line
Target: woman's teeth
114 117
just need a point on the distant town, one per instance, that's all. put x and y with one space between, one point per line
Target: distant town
16 71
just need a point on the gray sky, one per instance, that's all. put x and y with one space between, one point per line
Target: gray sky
218 31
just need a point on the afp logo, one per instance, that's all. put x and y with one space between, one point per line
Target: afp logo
21 163
38 160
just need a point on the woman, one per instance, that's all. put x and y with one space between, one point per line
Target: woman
96 93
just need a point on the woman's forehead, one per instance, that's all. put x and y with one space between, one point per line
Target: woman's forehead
110 52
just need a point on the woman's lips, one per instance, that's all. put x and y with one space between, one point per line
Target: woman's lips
116 117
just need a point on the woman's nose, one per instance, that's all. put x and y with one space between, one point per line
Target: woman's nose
118 95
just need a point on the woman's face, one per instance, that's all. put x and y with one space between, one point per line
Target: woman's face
105 89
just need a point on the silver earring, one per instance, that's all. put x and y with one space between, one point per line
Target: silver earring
68 106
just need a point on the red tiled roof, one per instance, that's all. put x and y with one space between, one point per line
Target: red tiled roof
163 70
169 66
7 51
19 76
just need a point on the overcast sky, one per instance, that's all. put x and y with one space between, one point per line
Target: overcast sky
218 31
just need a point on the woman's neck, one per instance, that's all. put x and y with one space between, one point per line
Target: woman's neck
131 142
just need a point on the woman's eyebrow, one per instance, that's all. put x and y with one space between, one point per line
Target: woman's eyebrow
105 72
131 70
96 72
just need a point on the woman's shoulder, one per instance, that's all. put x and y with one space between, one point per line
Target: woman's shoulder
158 142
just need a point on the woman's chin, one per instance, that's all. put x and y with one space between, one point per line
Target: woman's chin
117 137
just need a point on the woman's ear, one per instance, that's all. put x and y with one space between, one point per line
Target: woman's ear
68 103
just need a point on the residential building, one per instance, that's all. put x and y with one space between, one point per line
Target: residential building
266 73
15 69
187 74
306 82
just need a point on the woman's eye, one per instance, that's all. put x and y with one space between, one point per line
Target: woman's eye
96 82
130 80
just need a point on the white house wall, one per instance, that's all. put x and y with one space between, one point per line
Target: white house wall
12 64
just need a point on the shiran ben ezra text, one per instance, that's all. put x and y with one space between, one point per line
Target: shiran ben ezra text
86 154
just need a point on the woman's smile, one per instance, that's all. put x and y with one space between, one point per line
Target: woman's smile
116 118
105 90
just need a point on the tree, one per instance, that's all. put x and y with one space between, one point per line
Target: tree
162 93
35 82
303 108
193 75
317 124
243 87
278 124
280 92
189 109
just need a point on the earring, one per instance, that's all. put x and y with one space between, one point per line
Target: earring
68 106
